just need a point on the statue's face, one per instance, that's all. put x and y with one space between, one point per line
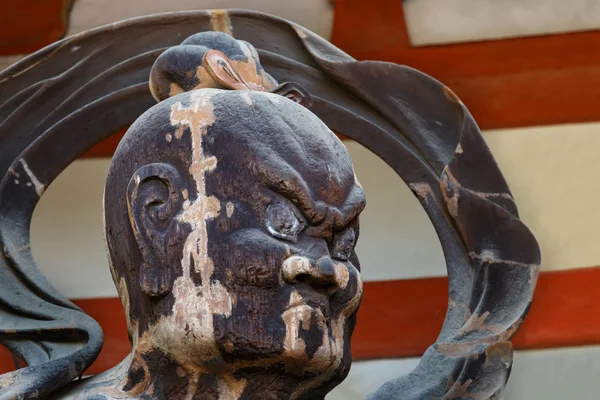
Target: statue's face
268 277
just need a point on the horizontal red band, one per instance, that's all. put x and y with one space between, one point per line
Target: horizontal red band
402 318
528 81
26 26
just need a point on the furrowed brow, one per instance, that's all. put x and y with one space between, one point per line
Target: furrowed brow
286 181
352 207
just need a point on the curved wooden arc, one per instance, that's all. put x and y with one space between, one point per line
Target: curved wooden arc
60 101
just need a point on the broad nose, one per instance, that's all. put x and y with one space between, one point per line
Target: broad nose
320 274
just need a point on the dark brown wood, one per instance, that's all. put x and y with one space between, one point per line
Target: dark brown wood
231 214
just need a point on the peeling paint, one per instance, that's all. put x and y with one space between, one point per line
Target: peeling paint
489 256
296 313
195 306
300 32
230 208
451 201
343 276
294 266
39 188
231 388
220 22
246 97
421 189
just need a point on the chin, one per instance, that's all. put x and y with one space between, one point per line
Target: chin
328 357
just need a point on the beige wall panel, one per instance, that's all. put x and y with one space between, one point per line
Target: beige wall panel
450 21
7 61
553 174
568 373
316 15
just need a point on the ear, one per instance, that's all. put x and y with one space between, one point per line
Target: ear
295 92
154 198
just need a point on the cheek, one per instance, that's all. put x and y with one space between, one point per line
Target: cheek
346 301
248 263
249 257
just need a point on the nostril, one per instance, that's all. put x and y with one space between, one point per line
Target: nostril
328 274
321 274
326 268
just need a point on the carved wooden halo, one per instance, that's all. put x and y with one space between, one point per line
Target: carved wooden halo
60 101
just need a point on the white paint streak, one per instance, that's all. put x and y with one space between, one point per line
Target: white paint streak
39 188
230 208
220 22
246 96
298 313
195 306
488 256
328 357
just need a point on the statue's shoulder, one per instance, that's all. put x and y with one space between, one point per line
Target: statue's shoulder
104 386
91 389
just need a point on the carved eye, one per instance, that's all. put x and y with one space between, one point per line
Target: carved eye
282 222
343 244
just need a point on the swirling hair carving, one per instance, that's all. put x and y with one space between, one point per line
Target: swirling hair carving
60 101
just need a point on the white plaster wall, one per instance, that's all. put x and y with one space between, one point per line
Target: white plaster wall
316 15
553 174
450 21
568 373
66 232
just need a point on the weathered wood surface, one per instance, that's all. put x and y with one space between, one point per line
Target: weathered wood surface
59 102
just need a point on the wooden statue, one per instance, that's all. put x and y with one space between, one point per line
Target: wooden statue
231 213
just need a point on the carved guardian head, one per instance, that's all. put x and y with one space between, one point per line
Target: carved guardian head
231 221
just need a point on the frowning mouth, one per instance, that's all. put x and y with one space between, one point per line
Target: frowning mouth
315 302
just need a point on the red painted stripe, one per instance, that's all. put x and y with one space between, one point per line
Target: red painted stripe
26 25
507 83
402 318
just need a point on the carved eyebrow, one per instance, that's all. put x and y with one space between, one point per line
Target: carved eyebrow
352 207
284 180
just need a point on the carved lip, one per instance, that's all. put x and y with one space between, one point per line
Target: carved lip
314 299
